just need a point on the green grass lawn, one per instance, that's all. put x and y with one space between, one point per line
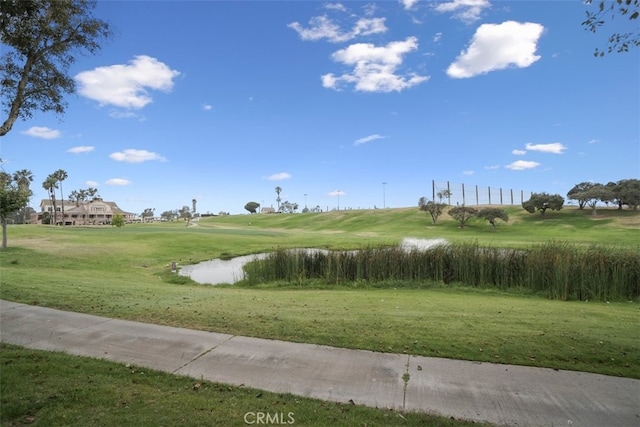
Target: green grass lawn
124 273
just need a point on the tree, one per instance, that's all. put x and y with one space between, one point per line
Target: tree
288 207
595 194
278 199
543 201
14 195
576 190
60 175
147 214
23 216
50 184
252 207
185 214
41 39
618 41
491 214
434 209
444 194
23 179
82 195
169 215
462 214
626 192
117 220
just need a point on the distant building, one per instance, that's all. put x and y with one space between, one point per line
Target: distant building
268 210
94 212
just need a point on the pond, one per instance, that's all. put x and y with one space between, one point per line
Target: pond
219 271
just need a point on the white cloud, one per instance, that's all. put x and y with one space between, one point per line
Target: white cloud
593 141
437 37
367 139
118 182
519 152
375 67
126 85
467 11
492 167
408 4
81 149
322 27
555 147
335 193
496 47
468 173
520 165
207 107
91 183
335 6
278 176
123 114
131 155
42 132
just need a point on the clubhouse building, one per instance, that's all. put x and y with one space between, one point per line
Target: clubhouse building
93 212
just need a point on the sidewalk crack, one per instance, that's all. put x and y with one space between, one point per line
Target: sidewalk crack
203 353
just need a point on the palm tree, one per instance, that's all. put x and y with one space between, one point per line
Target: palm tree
278 199
23 178
50 184
60 175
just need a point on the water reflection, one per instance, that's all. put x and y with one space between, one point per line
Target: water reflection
218 271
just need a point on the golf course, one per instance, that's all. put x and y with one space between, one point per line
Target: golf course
126 273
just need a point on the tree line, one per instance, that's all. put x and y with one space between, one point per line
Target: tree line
625 192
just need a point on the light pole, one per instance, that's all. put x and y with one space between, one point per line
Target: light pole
338 199
305 200
384 195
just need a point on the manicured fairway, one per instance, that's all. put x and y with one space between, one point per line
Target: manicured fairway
125 273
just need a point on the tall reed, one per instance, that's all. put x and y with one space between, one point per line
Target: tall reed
558 269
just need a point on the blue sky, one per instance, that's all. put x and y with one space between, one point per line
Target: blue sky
223 101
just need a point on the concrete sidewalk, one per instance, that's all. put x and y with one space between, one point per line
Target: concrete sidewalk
501 394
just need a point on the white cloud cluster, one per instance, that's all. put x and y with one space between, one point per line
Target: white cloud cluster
554 148
278 176
375 67
42 132
81 149
322 27
467 11
335 193
335 6
131 155
126 85
366 139
121 182
519 165
408 4
496 47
